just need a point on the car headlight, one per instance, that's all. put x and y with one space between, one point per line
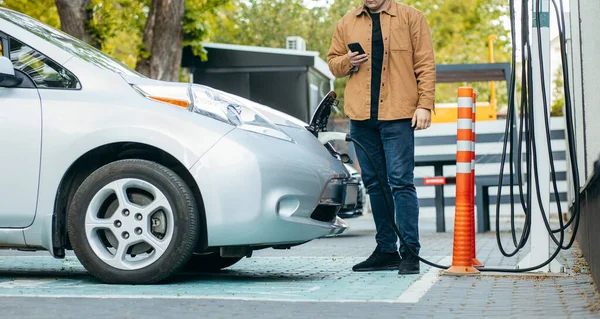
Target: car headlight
215 104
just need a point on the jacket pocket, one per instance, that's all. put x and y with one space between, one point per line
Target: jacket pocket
400 37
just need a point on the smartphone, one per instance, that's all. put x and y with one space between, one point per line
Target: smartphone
356 47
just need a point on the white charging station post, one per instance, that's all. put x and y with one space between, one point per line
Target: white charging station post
540 239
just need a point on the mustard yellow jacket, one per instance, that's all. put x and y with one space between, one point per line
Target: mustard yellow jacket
408 70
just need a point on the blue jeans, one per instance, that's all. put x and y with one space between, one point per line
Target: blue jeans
391 145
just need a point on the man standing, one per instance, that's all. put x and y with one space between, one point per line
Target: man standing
390 93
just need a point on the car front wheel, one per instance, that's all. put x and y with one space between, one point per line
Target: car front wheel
133 222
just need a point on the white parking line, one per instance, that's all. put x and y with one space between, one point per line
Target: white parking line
26 283
419 288
184 297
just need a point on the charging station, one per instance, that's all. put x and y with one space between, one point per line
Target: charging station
540 242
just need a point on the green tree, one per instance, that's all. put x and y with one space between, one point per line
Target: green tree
267 23
460 31
199 16
120 29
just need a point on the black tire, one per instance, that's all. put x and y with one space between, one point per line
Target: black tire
209 263
185 229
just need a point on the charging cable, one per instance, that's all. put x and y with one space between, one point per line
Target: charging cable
526 125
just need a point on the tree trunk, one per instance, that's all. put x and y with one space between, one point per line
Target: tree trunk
163 37
74 17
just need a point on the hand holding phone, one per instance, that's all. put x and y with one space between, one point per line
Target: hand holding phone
356 47
356 54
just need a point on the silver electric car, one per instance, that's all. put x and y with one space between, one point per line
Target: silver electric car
143 178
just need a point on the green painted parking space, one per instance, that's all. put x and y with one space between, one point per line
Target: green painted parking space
257 278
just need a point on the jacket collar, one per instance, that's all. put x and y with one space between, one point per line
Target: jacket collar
392 9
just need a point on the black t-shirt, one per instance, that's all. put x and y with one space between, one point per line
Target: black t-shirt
376 63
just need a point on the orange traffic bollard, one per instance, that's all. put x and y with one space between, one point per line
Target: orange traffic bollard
476 262
464 231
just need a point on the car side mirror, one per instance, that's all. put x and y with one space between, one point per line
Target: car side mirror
7 74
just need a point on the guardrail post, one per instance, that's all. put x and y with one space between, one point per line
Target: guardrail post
464 229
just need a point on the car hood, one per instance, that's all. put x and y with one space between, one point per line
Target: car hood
275 116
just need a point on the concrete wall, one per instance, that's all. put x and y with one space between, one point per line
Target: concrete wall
584 56
585 24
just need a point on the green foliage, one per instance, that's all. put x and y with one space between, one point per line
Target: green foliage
42 10
268 22
558 94
460 31
117 26
195 23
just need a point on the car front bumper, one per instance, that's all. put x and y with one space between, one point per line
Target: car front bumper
261 191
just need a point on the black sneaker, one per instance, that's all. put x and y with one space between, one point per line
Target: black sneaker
409 265
379 261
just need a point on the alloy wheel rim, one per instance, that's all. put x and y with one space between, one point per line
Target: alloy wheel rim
129 224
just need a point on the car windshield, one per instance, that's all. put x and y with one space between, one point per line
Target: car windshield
68 43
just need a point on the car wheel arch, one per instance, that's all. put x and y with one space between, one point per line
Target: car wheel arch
95 158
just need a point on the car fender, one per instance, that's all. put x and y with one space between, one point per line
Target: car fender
173 142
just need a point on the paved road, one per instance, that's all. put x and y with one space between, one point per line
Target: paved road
309 281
